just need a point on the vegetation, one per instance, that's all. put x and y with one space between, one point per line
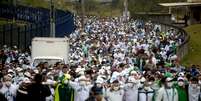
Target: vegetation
193 57
2 22
94 7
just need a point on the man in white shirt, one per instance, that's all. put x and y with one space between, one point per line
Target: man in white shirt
167 92
146 93
8 90
81 88
131 89
114 93
193 90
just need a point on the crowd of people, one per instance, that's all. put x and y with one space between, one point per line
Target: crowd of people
109 60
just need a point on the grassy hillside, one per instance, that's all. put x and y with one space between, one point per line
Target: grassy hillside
194 55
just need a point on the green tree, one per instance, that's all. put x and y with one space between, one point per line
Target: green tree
6 1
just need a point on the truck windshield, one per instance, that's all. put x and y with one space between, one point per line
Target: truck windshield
50 61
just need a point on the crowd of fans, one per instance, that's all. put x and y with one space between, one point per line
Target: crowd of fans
110 60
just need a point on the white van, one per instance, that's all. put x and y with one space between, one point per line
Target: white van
49 50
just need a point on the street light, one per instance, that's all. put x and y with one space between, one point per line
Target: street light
52 19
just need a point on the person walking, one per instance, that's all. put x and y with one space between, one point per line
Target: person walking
114 93
193 89
22 94
146 93
131 89
8 89
167 92
63 91
182 92
2 97
37 91
81 88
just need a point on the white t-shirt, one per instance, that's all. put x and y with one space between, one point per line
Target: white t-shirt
10 92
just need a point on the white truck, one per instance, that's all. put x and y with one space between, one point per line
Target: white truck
51 50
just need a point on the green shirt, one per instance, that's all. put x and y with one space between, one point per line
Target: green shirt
182 94
64 92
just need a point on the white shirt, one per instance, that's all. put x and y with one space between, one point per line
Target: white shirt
146 97
114 95
81 92
131 93
167 95
10 92
194 93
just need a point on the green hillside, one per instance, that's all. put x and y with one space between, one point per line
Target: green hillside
194 55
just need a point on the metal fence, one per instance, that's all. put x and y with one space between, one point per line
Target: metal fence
21 35
38 25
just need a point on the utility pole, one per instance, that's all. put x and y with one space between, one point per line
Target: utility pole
126 10
14 9
52 19
83 14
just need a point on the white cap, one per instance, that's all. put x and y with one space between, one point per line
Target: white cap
23 55
142 79
5 46
181 74
115 74
27 74
19 69
36 71
180 78
82 78
99 80
103 67
50 82
101 71
49 73
131 79
174 57
113 79
26 80
14 46
108 68
133 72
169 79
10 76
10 71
